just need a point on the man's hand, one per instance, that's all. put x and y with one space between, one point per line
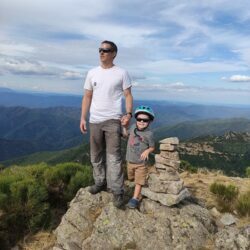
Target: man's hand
83 126
125 120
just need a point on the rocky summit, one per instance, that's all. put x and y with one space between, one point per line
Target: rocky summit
169 217
92 222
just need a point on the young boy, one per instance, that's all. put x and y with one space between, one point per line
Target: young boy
140 145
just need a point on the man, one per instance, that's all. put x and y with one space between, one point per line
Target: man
103 90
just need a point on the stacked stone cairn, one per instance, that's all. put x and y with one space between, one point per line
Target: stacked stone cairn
165 185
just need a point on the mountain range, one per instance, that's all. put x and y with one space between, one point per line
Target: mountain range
45 122
229 152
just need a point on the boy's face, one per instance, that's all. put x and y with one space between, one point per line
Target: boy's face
142 121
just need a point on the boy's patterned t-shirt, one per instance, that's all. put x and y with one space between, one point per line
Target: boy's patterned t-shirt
138 142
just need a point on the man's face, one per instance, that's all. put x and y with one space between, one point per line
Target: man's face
106 53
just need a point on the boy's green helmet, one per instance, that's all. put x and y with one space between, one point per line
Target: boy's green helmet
145 110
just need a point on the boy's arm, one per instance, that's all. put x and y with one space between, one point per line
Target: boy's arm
145 154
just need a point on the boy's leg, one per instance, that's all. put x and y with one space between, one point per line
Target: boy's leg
131 171
140 179
97 154
137 191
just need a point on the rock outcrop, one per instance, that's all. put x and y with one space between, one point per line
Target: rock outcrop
231 238
166 219
92 222
166 186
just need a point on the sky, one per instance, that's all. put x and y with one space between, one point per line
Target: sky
190 51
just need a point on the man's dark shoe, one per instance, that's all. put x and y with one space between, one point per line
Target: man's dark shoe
118 200
96 189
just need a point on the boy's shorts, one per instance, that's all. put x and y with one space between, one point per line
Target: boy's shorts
137 172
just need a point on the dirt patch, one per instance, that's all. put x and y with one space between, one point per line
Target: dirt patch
199 184
39 241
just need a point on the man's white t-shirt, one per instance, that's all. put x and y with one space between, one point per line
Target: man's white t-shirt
107 86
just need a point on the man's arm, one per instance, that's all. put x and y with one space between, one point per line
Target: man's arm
129 107
86 101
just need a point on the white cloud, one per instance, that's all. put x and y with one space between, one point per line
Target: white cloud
70 75
25 67
176 66
16 49
176 86
237 78
60 38
185 88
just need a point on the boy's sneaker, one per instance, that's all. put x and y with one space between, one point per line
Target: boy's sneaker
118 200
96 189
133 203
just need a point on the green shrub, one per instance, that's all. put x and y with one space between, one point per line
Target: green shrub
61 173
243 204
186 166
29 195
81 179
248 172
63 180
226 195
5 183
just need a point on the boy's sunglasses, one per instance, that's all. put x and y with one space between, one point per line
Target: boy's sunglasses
142 120
105 50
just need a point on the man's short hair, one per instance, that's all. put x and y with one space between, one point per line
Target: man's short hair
112 44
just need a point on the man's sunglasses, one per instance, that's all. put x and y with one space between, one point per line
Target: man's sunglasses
105 50
142 120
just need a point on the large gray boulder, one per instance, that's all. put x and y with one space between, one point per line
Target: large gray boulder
166 199
92 222
233 238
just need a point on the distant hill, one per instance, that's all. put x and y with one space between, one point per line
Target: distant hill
5 90
78 154
192 129
28 130
11 98
14 148
197 131
24 131
229 152
166 111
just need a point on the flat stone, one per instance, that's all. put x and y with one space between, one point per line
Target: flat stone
170 155
214 212
167 162
168 187
161 167
166 199
167 169
170 140
165 175
227 219
168 147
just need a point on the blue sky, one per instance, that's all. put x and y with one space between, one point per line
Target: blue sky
194 51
